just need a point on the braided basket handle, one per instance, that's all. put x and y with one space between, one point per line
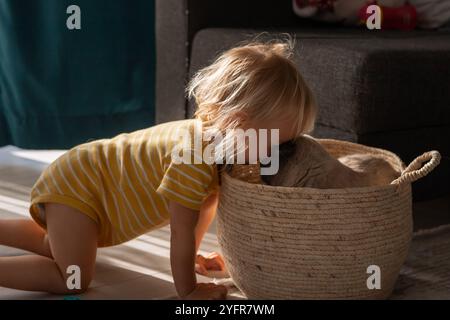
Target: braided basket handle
415 170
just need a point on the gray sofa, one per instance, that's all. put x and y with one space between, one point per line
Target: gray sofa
385 89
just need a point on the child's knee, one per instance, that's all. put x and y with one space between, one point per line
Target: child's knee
65 290
74 280
81 290
68 287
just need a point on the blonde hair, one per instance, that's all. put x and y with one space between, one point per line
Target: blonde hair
257 78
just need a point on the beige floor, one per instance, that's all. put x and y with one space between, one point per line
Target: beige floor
139 269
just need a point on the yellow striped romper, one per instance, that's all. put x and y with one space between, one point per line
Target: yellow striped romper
124 183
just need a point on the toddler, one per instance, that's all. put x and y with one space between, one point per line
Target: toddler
109 191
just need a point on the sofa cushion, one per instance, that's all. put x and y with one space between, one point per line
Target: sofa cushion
364 82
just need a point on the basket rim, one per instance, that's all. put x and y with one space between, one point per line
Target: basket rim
308 190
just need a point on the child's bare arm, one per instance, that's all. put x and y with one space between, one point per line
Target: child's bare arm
213 261
183 222
206 216
182 247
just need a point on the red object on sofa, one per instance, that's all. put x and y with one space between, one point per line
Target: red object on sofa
401 18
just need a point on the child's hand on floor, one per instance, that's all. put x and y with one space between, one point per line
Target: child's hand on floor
211 265
208 291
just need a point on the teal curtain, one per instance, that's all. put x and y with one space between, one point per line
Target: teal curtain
61 87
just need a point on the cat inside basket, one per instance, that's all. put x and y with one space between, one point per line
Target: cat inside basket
304 162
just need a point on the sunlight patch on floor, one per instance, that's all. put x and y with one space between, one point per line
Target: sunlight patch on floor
44 156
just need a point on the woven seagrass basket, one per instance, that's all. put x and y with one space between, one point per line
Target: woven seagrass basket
306 243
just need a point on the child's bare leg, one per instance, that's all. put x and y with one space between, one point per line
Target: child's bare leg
25 234
73 241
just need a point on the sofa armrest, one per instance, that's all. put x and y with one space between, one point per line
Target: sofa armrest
171 59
